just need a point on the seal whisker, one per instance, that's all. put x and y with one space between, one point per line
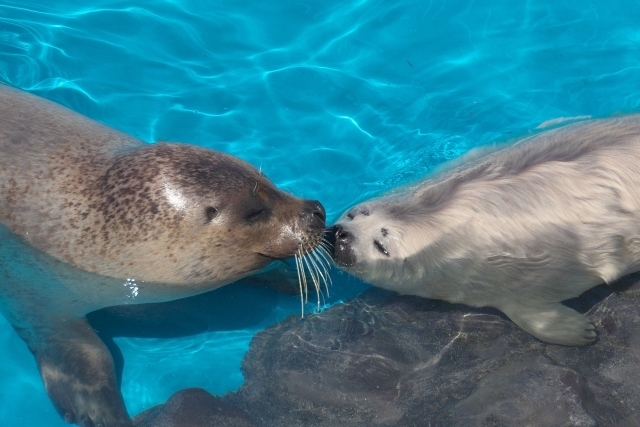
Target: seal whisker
320 264
326 255
323 245
326 244
300 281
319 259
322 251
314 278
327 250
315 261
304 276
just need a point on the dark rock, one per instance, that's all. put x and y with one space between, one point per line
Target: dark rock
193 407
389 360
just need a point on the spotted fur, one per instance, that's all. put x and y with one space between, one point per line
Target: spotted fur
91 217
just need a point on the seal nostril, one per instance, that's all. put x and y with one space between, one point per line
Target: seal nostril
343 240
314 209
342 235
320 213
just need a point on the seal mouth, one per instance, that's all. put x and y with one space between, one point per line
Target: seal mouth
271 258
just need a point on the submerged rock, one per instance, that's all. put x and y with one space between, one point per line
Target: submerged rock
193 407
390 360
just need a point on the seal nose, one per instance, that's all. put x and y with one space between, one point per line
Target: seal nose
342 250
342 236
319 211
314 210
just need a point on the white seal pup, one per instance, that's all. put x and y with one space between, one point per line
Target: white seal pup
520 229
91 218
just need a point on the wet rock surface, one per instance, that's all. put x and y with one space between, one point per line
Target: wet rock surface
389 360
192 407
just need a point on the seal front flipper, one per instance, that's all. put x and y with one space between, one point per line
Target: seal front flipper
552 322
78 373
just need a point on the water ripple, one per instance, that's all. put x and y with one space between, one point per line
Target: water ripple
337 101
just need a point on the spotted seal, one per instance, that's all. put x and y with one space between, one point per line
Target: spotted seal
91 217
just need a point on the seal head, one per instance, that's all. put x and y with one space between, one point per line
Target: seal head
176 213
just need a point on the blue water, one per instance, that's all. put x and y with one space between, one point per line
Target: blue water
334 100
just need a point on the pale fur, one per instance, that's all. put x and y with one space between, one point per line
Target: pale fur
520 229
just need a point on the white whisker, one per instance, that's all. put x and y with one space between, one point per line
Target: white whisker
319 259
304 277
312 259
326 250
317 263
329 281
322 269
295 256
325 243
325 255
301 279
314 278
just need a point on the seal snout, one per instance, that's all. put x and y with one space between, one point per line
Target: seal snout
314 213
341 240
343 237
312 218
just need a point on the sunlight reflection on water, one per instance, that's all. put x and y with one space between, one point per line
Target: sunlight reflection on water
336 101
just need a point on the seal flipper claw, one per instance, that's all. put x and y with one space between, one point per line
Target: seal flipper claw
552 322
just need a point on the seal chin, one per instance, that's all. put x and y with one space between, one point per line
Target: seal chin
342 242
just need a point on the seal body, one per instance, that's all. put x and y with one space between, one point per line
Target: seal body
91 217
520 229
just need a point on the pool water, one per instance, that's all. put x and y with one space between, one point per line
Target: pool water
335 100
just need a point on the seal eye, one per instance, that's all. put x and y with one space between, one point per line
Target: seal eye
211 213
381 247
255 215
